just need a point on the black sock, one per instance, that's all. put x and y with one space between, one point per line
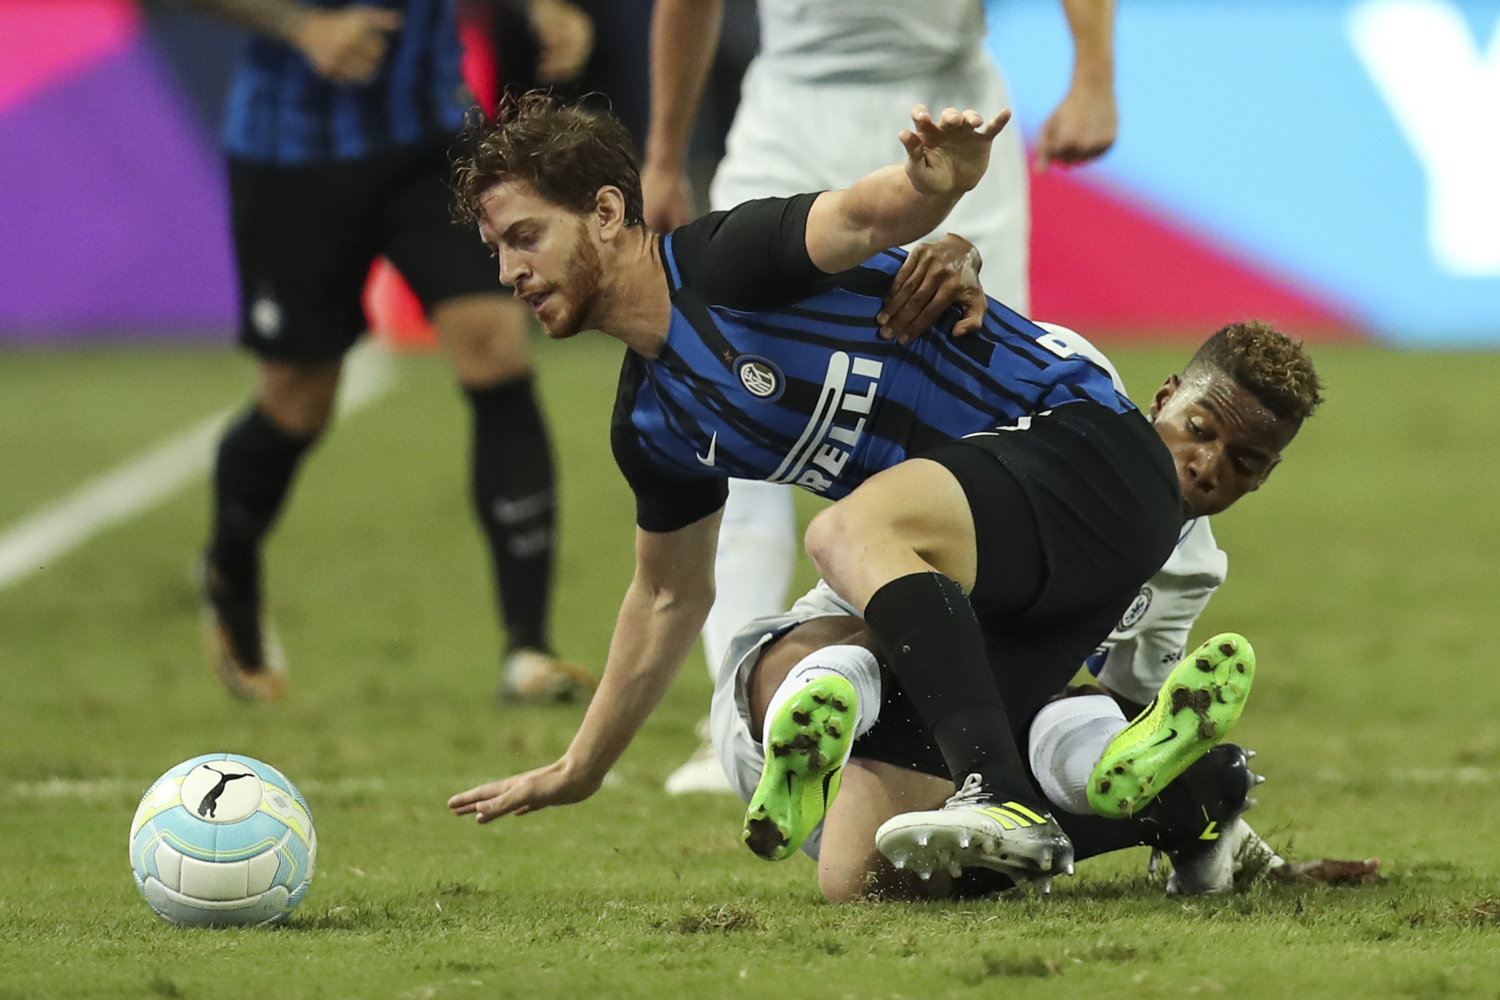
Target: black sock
253 472
936 650
513 496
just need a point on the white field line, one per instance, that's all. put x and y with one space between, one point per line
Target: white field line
56 788
141 483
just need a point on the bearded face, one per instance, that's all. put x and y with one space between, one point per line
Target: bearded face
546 253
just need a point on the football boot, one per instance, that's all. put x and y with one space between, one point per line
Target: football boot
531 676
245 653
1198 826
973 829
808 741
1199 703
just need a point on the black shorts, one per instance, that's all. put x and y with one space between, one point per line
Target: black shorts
305 237
1072 514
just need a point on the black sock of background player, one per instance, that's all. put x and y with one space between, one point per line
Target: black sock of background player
514 498
253 472
934 647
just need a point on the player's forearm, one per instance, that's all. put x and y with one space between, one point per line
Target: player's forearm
684 37
1092 24
653 636
882 209
282 19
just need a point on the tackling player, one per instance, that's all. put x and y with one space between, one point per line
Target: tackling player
809 684
754 352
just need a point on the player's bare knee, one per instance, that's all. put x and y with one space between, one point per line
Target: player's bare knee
842 883
298 398
484 337
829 541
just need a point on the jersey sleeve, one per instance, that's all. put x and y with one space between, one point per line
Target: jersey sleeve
753 256
664 500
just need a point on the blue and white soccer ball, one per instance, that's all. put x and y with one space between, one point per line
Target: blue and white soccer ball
222 839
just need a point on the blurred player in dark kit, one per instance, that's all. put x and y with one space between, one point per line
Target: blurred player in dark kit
338 125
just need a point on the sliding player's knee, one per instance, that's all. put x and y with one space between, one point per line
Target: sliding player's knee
831 541
842 881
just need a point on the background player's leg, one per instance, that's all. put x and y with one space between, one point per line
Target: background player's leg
484 331
512 483
257 459
254 466
753 564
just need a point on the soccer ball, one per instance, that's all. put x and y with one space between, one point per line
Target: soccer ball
220 840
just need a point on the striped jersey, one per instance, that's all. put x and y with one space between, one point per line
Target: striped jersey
282 112
773 370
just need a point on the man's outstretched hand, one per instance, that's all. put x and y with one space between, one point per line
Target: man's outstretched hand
948 155
934 277
1327 871
553 785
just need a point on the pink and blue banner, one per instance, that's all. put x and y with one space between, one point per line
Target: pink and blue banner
112 195
1330 165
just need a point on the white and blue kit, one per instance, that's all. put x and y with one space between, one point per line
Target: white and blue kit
1152 636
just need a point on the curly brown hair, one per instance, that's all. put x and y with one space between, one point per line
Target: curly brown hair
566 151
1272 366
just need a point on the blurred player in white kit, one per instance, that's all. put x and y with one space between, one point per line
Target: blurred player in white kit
834 81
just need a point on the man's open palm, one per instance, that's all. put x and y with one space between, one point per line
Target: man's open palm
950 153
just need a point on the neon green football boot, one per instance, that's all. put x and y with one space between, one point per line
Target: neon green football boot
1199 703
810 736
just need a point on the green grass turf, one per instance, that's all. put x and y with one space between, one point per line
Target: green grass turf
1364 574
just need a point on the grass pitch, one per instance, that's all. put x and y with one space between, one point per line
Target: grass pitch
1364 573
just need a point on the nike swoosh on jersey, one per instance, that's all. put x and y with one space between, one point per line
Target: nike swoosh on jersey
713 443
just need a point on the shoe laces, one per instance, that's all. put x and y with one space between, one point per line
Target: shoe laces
971 795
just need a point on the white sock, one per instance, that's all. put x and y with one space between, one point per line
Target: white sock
1067 739
856 664
753 565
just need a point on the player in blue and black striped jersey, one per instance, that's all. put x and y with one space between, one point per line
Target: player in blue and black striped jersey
1002 500
338 125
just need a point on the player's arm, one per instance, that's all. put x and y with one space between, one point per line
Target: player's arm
1084 125
684 37
343 44
945 157
663 610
